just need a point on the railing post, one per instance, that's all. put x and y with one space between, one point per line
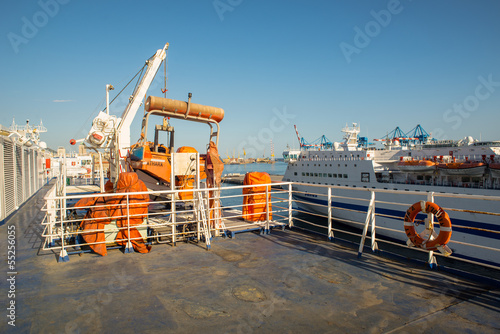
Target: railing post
63 255
371 208
290 220
329 199
207 218
198 213
128 248
374 240
266 229
172 204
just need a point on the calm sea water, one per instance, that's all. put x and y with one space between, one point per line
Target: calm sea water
277 168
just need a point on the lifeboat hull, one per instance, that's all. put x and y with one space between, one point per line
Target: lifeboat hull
495 169
418 167
462 169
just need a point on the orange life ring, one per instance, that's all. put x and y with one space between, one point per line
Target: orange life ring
444 225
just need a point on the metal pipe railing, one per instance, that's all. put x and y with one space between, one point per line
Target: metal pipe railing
60 229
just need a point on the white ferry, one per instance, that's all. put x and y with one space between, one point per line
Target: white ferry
440 168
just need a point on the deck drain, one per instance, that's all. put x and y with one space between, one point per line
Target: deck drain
249 293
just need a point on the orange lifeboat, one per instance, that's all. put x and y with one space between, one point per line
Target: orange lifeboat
184 182
417 166
495 169
462 168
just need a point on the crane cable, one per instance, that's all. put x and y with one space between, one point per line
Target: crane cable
164 90
139 72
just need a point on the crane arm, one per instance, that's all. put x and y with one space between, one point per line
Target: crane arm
123 130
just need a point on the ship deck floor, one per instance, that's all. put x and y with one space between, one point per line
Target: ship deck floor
283 282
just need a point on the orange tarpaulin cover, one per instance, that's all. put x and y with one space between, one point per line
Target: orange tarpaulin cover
214 169
137 210
96 217
254 200
104 209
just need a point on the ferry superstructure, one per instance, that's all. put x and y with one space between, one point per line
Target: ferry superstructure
464 167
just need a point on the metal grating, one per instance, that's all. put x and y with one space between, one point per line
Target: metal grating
18 162
9 177
22 170
26 168
31 167
37 170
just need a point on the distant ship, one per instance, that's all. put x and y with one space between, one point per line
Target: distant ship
422 164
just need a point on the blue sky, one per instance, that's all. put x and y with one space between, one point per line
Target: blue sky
269 64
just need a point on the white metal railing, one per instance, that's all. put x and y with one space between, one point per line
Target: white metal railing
169 220
481 241
374 213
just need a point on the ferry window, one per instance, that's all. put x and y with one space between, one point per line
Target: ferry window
294 173
334 175
314 164
330 165
339 165
355 165
365 177
307 174
324 174
340 175
346 165
316 174
329 174
303 174
345 176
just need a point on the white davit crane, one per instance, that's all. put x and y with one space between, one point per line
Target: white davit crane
110 132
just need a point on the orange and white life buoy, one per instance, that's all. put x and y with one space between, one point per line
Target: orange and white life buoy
444 225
